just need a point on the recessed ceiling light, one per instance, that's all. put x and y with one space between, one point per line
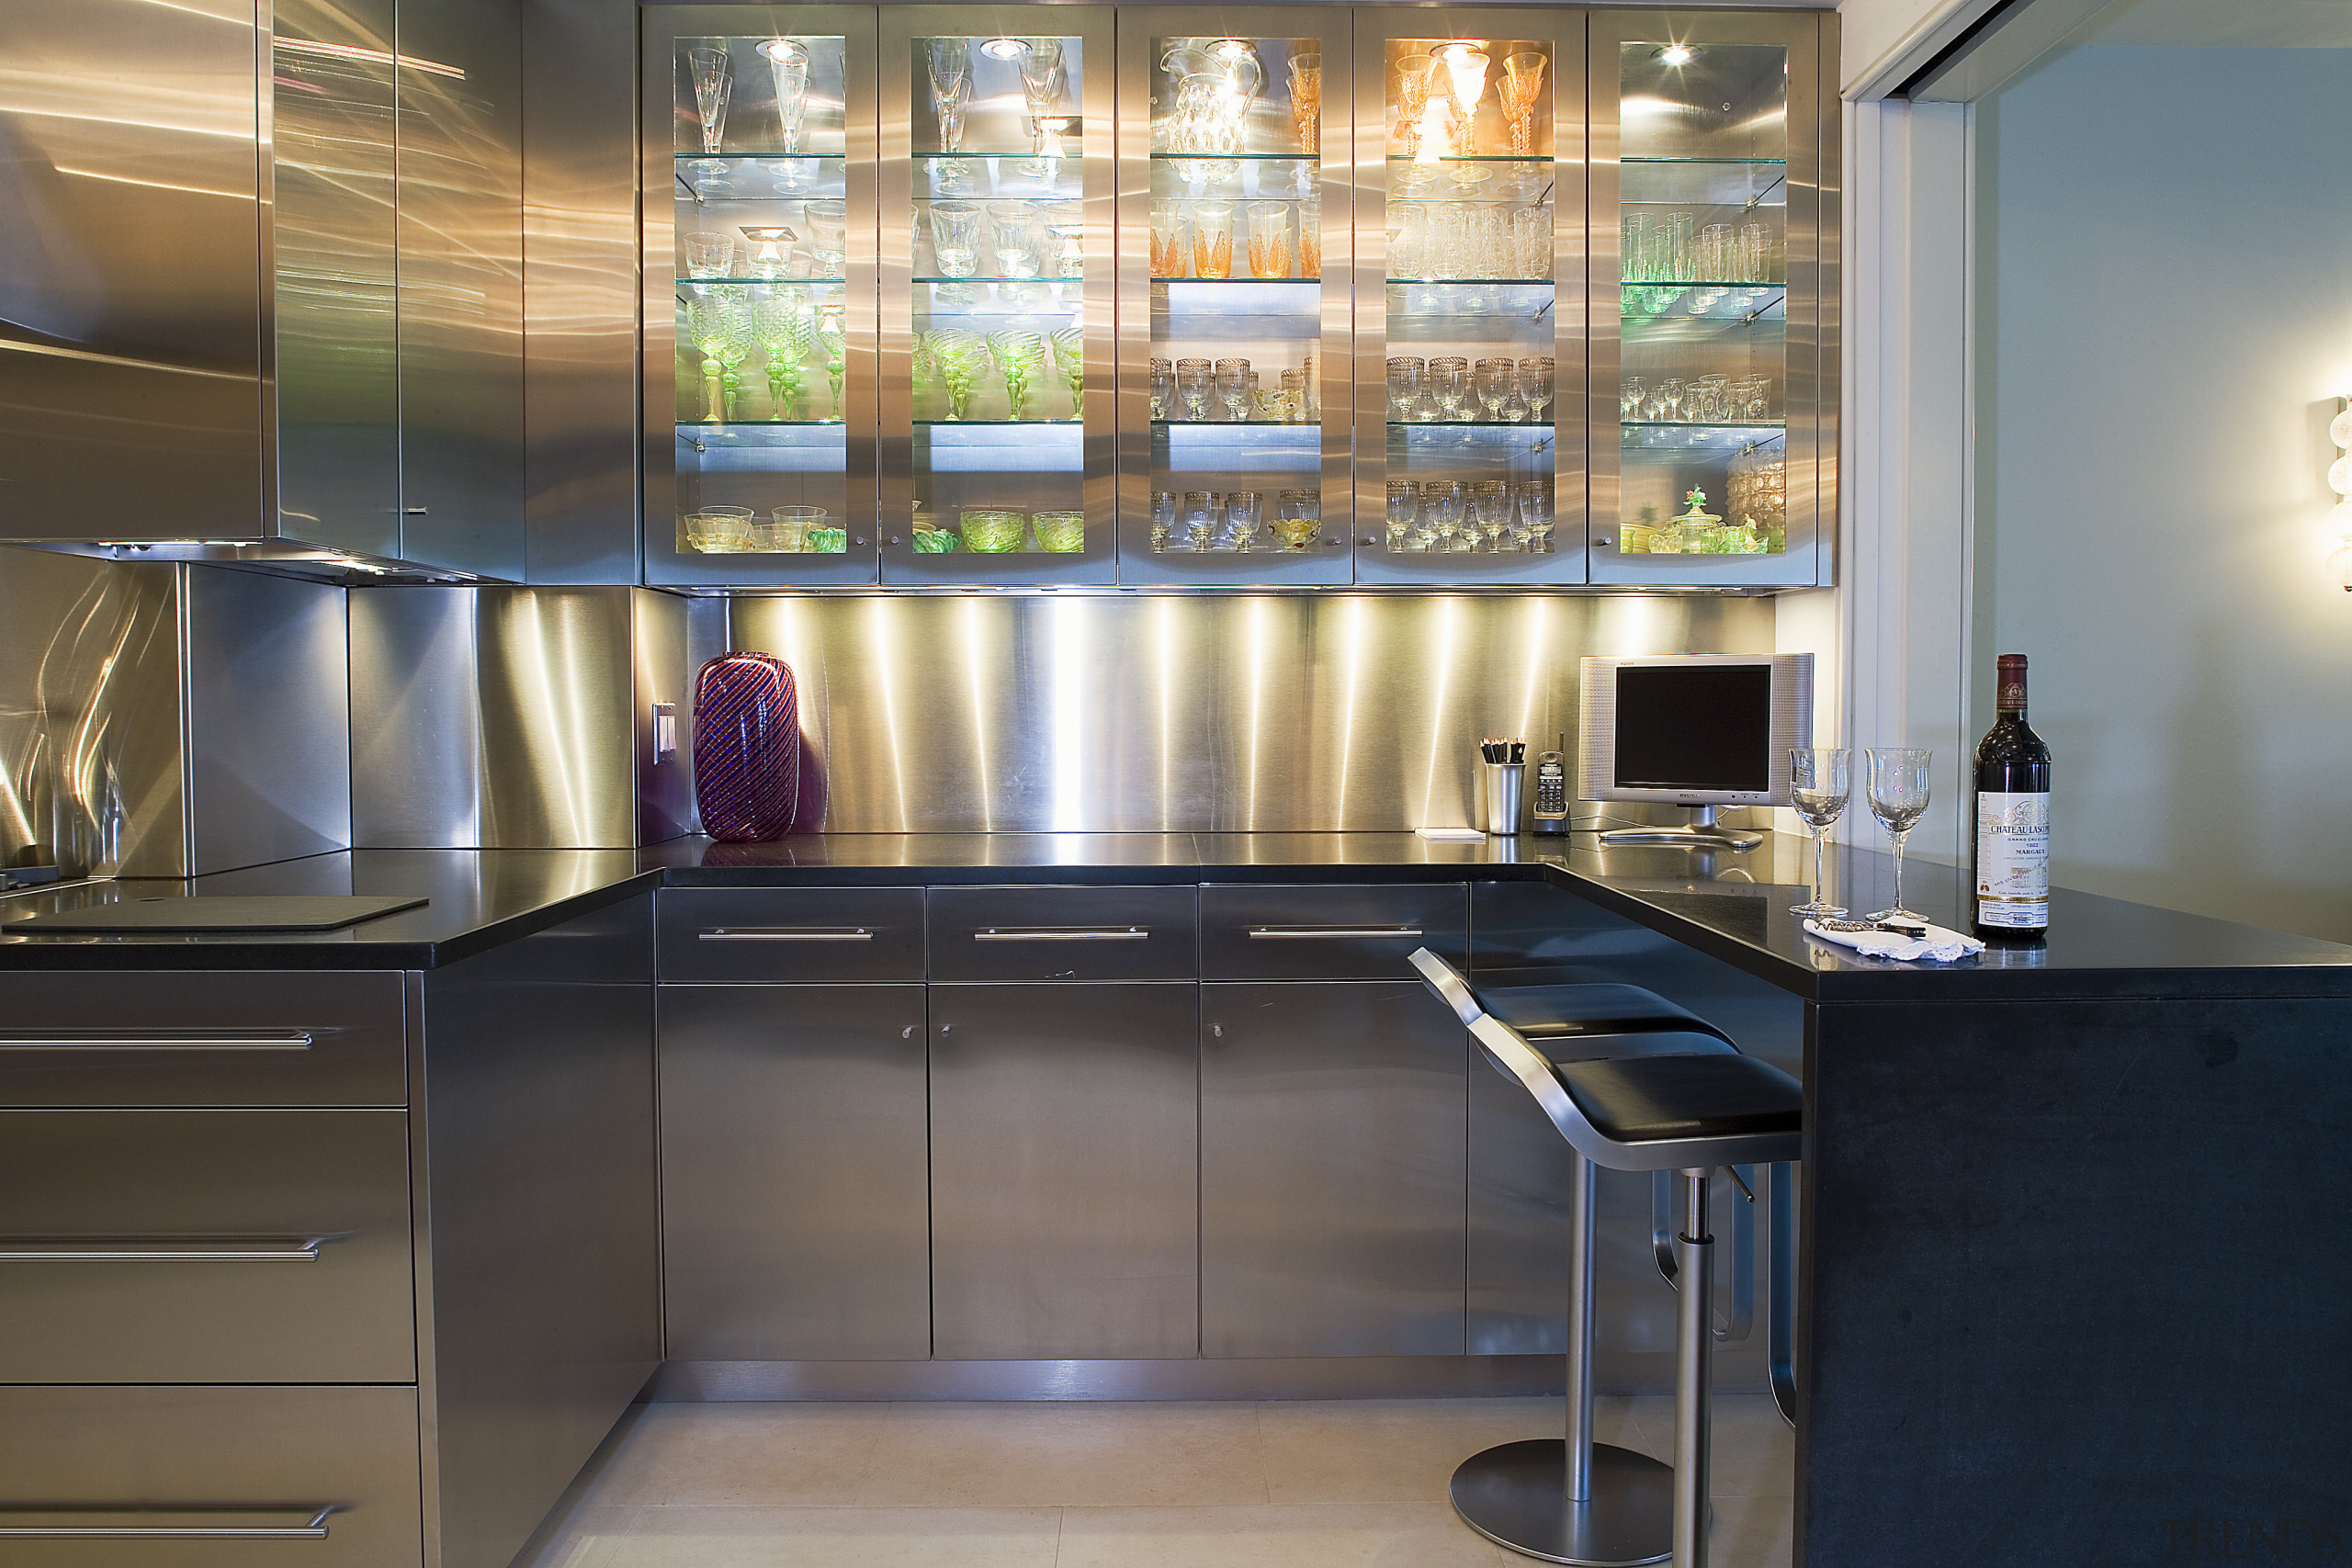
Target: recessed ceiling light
1005 48
1678 54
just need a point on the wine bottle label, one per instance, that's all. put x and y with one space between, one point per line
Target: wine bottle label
2012 860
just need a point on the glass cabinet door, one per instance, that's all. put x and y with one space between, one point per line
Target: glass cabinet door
1234 262
1469 300
996 297
1707 179
759 296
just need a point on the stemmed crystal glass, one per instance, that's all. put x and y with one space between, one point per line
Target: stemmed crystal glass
1404 373
1535 386
1441 507
715 325
832 333
1522 85
779 321
714 81
1020 360
1490 508
1449 384
1404 511
1043 83
1536 514
961 356
1820 778
1069 359
788 61
949 60
1898 788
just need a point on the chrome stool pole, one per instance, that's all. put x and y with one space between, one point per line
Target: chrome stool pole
1694 1370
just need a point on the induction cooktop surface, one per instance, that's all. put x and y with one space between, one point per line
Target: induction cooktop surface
258 913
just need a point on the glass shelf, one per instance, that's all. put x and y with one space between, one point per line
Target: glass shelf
736 428
1236 158
1705 444
1724 163
760 159
990 277
1235 424
1538 427
810 283
1474 158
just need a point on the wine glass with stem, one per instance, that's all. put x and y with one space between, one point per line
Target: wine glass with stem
1820 779
1898 790
714 82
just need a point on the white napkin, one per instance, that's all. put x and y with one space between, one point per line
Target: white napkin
1939 946
1451 835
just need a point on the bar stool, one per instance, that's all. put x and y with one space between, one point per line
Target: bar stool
1571 1499
1634 1083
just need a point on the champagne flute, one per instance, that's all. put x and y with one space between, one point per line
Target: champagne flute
1898 780
1820 778
714 82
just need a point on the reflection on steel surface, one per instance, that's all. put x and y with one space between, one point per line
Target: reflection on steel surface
513 717
89 716
1261 714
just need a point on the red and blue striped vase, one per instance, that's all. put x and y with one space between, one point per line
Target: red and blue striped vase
747 746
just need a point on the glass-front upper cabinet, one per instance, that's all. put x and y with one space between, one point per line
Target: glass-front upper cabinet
1469 298
1708 171
759 230
997 440
1234 274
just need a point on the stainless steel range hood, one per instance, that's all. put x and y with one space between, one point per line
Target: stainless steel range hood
260 284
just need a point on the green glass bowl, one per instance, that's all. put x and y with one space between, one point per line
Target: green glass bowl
828 541
1061 532
993 533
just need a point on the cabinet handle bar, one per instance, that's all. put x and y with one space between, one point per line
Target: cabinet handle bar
1091 934
105 1249
293 1040
786 933
128 1529
1330 933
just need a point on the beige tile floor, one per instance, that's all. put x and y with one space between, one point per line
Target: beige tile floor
1355 1484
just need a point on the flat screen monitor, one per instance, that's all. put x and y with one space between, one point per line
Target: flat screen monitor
1693 728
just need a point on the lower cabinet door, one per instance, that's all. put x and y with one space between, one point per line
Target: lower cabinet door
321 1477
1065 1171
1332 1170
794 1196
206 1247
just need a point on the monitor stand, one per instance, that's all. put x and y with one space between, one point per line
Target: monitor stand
1702 832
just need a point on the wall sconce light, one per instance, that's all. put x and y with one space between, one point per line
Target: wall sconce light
2339 480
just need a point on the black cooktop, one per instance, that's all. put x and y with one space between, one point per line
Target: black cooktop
269 913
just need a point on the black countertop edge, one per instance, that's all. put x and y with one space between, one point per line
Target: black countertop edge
2106 950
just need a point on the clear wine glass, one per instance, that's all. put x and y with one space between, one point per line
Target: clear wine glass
1898 784
1820 779
714 82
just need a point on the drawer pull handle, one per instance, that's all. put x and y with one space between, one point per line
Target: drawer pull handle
194 1250
1331 934
166 1524
1044 933
787 934
291 1040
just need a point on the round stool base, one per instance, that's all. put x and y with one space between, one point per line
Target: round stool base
1515 1496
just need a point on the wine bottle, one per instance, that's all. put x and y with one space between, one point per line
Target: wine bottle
2012 855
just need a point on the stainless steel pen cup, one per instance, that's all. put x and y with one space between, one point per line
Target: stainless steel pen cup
1498 791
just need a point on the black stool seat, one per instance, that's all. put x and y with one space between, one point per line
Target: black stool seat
1556 1012
1649 1100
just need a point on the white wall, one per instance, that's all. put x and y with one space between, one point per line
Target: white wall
2165 288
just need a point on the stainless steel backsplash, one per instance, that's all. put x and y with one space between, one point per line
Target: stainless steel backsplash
1109 713
161 720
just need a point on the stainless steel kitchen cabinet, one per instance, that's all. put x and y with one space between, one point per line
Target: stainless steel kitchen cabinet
196 1247
148 1477
1064 1171
1331 1170
796 1219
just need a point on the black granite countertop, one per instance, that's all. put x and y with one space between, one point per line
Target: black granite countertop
1732 906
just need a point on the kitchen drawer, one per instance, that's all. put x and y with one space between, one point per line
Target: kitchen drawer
1336 932
1063 933
204 1246
169 1038
130 1475
780 935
